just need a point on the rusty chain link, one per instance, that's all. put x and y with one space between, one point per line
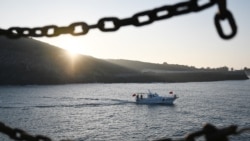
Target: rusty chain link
210 132
138 19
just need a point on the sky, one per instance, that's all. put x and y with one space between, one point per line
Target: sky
189 39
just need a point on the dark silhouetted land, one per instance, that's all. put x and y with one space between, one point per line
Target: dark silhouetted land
28 61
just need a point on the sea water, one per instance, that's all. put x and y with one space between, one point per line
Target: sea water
95 112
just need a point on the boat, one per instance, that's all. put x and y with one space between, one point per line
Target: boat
154 98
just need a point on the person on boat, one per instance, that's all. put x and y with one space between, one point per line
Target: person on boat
137 97
141 96
175 96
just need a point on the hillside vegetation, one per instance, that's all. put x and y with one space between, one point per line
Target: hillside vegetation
28 61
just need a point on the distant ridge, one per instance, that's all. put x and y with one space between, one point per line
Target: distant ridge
181 73
145 66
165 67
27 61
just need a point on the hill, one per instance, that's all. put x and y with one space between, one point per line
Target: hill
153 67
181 73
28 61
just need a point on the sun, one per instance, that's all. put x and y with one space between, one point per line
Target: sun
72 44
72 54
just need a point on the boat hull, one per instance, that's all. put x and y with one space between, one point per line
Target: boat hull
156 100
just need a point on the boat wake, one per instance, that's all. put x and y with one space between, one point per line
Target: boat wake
71 103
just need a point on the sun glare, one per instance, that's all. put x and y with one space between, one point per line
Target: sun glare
72 57
72 44
73 47
72 54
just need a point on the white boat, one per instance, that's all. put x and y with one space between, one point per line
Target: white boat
154 98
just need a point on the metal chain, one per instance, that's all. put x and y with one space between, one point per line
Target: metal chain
149 16
224 14
20 135
210 132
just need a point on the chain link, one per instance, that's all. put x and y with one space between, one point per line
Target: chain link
20 135
224 14
210 132
138 19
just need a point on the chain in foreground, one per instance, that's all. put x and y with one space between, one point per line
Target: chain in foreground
210 132
108 24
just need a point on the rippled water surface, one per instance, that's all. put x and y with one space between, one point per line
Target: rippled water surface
107 111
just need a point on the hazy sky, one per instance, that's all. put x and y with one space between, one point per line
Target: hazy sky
190 39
